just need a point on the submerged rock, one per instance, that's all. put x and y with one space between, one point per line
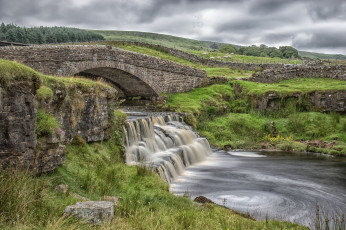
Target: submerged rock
95 212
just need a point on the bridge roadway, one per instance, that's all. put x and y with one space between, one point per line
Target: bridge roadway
132 74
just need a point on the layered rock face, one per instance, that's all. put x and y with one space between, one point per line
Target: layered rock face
17 125
87 112
320 101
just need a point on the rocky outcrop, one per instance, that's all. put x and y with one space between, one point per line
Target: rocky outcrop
96 212
17 125
319 101
79 109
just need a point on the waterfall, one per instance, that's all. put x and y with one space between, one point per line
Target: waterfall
164 143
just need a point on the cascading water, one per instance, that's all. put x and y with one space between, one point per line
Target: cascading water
164 143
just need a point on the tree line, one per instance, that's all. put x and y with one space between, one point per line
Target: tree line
43 35
261 51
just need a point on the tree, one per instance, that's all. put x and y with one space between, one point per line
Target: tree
227 49
289 52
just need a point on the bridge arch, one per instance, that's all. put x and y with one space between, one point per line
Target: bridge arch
129 80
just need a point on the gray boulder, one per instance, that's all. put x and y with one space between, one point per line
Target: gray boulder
95 212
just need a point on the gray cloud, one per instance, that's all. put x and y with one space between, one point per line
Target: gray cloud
314 25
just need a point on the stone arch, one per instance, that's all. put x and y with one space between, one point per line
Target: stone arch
130 80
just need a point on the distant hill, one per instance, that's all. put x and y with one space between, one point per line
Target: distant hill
321 56
185 43
159 39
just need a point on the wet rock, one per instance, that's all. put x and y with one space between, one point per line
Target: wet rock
95 212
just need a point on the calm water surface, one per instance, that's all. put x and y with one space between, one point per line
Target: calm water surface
282 186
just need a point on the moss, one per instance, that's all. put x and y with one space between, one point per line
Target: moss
11 71
46 124
44 93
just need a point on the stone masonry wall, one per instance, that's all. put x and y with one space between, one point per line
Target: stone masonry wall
276 75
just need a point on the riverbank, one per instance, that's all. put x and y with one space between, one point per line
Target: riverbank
229 119
95 170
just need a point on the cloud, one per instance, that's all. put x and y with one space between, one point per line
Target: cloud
306 24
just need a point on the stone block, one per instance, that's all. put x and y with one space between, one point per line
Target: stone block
95 212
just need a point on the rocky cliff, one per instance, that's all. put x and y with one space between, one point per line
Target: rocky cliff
71 106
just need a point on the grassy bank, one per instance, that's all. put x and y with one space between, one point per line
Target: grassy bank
297 85
229 119
94 170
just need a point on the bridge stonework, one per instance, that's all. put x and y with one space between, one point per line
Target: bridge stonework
132 73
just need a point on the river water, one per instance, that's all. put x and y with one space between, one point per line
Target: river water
274 185
278 185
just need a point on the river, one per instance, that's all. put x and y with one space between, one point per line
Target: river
275 185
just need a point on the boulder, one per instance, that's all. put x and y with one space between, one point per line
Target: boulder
95 212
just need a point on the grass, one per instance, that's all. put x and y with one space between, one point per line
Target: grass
243 58
227 72
303 85
96 170
46 123
12 71
195 100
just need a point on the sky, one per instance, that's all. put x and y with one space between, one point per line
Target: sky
309 25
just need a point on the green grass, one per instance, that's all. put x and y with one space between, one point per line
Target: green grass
46 123
96 170
195 100
227 72
12 71
243 58
291 86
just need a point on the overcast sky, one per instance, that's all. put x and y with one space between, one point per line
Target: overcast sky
311 25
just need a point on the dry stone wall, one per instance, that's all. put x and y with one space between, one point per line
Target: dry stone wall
305 71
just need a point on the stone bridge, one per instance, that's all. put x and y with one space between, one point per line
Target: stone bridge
131 73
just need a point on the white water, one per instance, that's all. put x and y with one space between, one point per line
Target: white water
163 143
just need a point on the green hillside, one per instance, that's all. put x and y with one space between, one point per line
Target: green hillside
159 39
312 55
